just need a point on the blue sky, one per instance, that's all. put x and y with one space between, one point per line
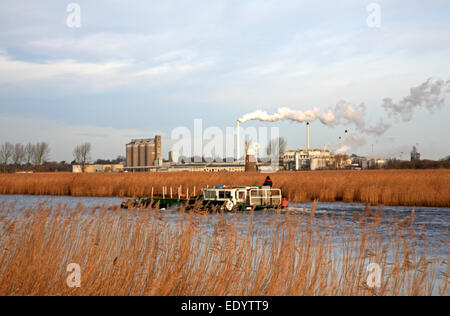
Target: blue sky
136 68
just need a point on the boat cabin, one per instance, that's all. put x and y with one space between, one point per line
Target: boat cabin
246 196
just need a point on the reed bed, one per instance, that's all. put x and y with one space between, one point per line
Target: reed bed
150 252
389 187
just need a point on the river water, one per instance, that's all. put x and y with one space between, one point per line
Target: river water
434 220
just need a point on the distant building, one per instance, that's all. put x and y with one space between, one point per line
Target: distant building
367 163
225 167
98 168
144 154
173 157
415 155
307 159
205 167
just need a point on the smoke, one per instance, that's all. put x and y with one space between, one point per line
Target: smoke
353 142
379 129
356 141
430 95
344 113
343 150
327 118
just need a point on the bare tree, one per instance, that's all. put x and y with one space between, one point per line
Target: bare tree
6 152
120 159
276 144
82 154
41 153
18 155
29 153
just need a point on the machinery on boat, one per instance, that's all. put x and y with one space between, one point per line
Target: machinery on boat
223 198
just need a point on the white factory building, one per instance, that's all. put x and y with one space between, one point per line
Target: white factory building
307 159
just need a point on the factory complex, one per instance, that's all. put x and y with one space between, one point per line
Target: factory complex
145 155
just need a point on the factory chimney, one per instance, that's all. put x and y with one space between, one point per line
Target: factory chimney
340 140
307 136
346 137
238 142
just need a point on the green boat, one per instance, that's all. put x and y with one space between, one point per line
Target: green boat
220 198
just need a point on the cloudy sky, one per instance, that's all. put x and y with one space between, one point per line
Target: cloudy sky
136 68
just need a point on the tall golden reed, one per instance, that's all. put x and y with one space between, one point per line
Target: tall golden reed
150 252
390 187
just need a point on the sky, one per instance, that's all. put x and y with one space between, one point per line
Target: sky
138 68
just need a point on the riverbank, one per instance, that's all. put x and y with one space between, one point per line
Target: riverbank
389 187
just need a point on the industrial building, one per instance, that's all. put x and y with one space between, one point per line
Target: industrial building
367 163
415 155
98 168
174 157
307 159
205 167
311 159
144 154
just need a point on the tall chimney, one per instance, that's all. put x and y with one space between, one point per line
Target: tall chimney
346 137
238 141
340 140
307 135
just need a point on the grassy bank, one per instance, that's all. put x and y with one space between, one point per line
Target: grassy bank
390 187
147 252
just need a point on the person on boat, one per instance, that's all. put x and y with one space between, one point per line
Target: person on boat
267 182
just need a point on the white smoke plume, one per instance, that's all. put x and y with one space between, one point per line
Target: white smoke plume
430 95
342 150
344 113
352 142
284 113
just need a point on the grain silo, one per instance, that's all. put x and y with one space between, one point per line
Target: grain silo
144 154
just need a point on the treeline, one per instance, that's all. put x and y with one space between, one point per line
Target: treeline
419 164
29 157
35 158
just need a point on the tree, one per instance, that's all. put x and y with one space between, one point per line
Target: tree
278 143
6 152
29 153
18 155
41 153
121 159
82 153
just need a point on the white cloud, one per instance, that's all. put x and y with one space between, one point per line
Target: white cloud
16 71
107 142
95 77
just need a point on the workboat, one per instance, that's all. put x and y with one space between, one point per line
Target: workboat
222 198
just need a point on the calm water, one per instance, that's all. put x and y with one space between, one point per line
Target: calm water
435 220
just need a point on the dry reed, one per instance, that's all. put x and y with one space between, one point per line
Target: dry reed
390 187
149 252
